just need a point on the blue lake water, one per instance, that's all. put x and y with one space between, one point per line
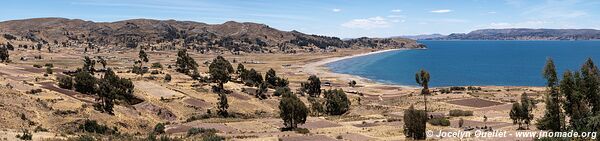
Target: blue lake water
464 63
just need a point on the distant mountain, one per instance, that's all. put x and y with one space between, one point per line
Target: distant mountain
423 36
525 34
171 34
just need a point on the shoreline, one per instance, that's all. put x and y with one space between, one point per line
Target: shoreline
318 68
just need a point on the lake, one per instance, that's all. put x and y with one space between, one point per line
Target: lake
464 63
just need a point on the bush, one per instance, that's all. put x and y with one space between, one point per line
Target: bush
157 65
336 103
92 126
457 88
302 130
168 78
154 72
159 128
37 65
65 82
213 137
457 113
439 122
26 135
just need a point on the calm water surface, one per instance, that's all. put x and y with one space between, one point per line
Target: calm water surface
463 63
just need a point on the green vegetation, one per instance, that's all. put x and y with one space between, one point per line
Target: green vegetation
415 123
223 105
251 78
4 56
439 121
422 78
316 106
552 120
281 90
457 113
313 86
65 82
292 110
167 78
84 82
92 126
521 113
219 71
25 136
159 128
186 64
157 65
336 102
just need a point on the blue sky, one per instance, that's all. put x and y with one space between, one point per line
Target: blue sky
340 18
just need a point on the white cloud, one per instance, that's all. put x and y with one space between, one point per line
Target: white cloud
336 10
369 23
492 12
441 11
396 10
396 16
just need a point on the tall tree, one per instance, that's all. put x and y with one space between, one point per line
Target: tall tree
223 105
271 78
4 56
143 56
185 63
422 78
88 65
415 123
102 61
526 113
553 118
292 110
337 102
219 71
313 86
575 103
590 86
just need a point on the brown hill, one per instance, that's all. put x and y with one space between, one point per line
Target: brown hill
170 34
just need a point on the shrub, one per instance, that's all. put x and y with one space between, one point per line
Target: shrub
168 78
457 113
439 122
302 130
213 137
65 82
157 65
159 128
25 136
336 103
92 126
414 123
457 88
154 72
37 65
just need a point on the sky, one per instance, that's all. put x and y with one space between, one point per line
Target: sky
339 18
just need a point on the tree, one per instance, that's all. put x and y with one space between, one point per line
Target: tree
292 110
281 82
223 105
167 78
552 119
281 90
515 114
9 46
65 82
84 82
313 86
252 78
112 88
219 71
590 85
527 111
422 78
575 103
316 106
271 78
336 103
461 122
143 56
415 123
88 65
185 63
240 69
352 83
262 91
4 56
102 61
49 70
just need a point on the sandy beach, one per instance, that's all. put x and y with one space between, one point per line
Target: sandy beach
318 68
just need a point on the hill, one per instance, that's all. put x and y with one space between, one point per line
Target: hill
525 34
169 34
